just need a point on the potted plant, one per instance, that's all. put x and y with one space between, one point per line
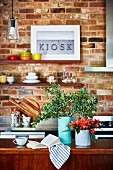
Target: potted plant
84 128
63 105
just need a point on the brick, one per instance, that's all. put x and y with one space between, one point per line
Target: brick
26 10
34 97
33 16
96 39
4 97
70 90
8 46
104 92
5 111
100 97
72 22
5 22
82 74
89 10
97 64
97 4
55 22
8 103
23 45
100 45
39 92
9 68
108 109
41 22
25 22
28 34
98 27
85 51
84 28
97 16
65 4
90 57
97 50
101 22
81 4
90 45
72 68
73 10
109 97
4 51
108 86
57 10
9 91
88 22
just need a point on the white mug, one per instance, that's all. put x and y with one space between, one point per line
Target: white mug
20 140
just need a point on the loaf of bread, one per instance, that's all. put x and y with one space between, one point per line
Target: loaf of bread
29 107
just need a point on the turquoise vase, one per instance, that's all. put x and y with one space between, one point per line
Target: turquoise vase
64 133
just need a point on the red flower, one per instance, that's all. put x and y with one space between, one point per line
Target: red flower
93 131
85 124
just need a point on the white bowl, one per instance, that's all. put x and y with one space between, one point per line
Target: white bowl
10 80
31 77
31 74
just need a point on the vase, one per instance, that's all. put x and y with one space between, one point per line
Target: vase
64 132
83 138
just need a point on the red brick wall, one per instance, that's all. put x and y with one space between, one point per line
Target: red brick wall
90 15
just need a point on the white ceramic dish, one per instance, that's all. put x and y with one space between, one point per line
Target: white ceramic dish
31 81
31 77
64 81
20 141
31 74
10 80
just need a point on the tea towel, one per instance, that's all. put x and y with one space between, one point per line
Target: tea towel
59 154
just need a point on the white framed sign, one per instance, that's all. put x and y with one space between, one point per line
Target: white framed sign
56 42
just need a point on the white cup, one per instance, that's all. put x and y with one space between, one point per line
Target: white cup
20 140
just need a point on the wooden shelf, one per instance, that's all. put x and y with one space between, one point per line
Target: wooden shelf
40 61
75 85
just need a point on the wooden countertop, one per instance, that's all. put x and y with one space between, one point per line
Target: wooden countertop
101 146
99 156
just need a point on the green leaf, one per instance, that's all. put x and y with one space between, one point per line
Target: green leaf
63 104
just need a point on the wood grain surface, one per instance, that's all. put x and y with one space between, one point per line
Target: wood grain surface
99 156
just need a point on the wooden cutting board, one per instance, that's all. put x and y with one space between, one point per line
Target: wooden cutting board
28 107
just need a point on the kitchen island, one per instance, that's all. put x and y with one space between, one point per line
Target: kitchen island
99 156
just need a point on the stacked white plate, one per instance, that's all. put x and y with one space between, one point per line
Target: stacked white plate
31 78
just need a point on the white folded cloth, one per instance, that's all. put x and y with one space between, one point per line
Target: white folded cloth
59 154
